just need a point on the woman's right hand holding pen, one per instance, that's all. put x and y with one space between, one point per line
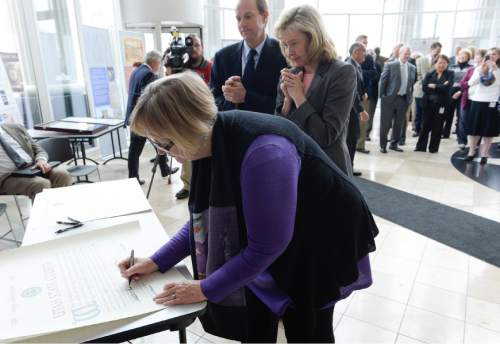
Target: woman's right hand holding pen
141 267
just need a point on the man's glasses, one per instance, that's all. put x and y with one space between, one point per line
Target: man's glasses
167 146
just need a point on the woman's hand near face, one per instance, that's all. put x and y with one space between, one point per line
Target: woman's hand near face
294 86
180 293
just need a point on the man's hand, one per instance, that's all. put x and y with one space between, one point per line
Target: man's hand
180 293
364 116
234 91
456 95
43 166
365 97
431 85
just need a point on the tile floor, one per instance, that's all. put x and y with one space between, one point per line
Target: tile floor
423 291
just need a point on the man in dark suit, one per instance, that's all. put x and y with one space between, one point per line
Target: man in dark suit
245 75
143 75
370 77
396 93
357 53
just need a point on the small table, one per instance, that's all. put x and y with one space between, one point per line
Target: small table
106 121
172 318
78 140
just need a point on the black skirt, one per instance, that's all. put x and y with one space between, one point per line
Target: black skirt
482 120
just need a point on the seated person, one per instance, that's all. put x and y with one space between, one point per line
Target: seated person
19 150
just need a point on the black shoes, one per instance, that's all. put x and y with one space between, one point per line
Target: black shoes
419 150
469 158
141 181
182 194
357 173
484 160
369 139
395 148
383 150
402 142
172 171
363 150
415 134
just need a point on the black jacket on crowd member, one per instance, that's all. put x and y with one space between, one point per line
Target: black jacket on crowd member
435 104
260 96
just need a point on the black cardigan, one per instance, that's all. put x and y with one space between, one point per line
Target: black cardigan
441 95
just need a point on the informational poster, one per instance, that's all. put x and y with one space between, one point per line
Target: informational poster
133 52
100 86
106 93
9 112
13 69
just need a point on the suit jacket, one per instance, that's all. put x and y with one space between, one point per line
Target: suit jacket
325 114
390 80
371 76
424 66
140 78
357 105
21 135
441 95
227 63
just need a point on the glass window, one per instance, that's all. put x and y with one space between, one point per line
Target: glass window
427 25
19 96
337 27
389 34
149 41
227 3
351 6
230 25
391 6
441 5
97 13
61 57
369 25
469 4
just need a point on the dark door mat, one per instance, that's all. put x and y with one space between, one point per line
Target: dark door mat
469 233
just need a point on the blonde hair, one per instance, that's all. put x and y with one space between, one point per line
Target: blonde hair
307 20
179 107
468 52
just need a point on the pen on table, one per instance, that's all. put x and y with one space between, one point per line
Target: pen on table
68 228
130 264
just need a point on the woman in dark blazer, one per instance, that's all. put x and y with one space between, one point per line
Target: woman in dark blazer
436 103
317 93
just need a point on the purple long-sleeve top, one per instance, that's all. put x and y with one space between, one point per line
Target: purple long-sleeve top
269 180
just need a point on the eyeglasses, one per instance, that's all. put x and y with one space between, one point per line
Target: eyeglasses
167 146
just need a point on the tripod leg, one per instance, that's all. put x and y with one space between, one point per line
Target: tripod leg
152 176
170 169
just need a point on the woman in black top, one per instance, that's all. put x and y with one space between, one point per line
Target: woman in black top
436 103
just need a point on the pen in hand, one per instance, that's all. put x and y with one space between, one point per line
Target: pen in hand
130 264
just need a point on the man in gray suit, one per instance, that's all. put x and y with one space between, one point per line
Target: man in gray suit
396 93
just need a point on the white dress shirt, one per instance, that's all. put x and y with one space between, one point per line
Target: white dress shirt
404 78
246 51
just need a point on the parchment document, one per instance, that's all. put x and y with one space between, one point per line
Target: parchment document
74 282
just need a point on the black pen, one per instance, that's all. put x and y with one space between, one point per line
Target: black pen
130 264
68 228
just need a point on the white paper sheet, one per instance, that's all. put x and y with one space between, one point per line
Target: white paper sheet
74 282
86 203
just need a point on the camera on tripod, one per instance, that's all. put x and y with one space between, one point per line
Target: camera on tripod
177 55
